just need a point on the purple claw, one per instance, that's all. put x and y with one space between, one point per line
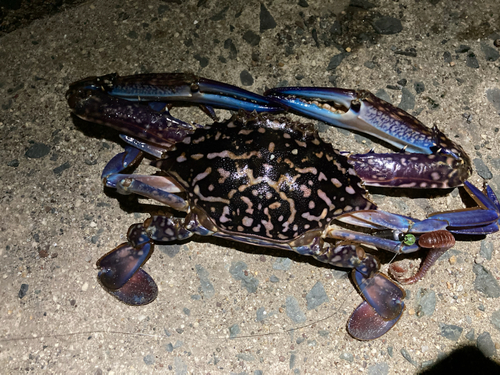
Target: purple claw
416 171
139 290
365 324
134 119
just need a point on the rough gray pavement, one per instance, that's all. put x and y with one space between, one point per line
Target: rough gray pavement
225 308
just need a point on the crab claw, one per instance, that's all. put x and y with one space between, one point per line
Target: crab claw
361 111
438 162
381 310
163 88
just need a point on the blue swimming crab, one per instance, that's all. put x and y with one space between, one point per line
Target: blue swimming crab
262 179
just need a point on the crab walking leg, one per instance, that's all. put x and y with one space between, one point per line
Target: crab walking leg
383 304
120 272
159 188
365 323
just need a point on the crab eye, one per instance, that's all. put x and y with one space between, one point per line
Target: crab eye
398 235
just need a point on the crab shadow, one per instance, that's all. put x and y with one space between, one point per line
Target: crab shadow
465 360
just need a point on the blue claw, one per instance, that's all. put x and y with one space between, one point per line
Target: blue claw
359 110
165 88
437 162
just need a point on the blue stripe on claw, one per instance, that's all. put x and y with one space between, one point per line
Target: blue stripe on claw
361 111
180 87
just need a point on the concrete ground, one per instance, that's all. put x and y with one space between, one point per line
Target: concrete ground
225 308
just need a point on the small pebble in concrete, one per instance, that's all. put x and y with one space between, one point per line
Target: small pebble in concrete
293 310
486 251
370 64
149 359
62 168
238 270
206 286
234 330
451 331
274 279
482 169
472 61
425 302
202 60
282 264
323 333
220 15
470 335
245 357
23 290
267 21
381 368
382 94
490 53
410 52
493 96
407 100
406 355
462 48
261 314
419 87
335 61
171 250
13 163
485 282
486 345
251 38
246 78
229 45
495 319
37 151
292 360
316 296
387 25
447 57
347 356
